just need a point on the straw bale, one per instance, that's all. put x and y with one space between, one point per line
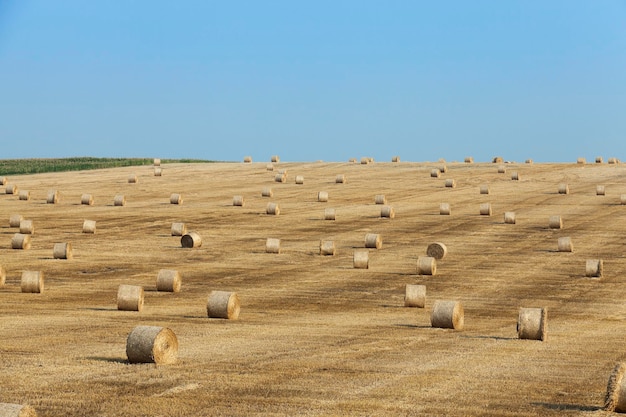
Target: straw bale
529 161
563 189
238 201
11 189
373 240
32 282
447 315
600 190
485 209
191 240
272 245
450 183
531 323
15 220
3 180
327 248
444 209
132 179
615 398
555 222
484 189
387 212
156 162
269 167
89 226
594 268
53 197
86 199
340 179
20 241
130 297
435 173
168 280
223 305
152 344
176 198
622 199
24 195
273 209
509 217
329 214
280 177
501 169
437 250
613 161
267 192
581 161
380 199
158 171
515 176
365 160
361 259
322 196
395 159
415 295
299 179
565 244
275 159
27 227
62 251
247 159
119 200
3 276
426 265
599 160
178 229
469 160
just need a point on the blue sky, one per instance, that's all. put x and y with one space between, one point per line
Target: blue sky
311 80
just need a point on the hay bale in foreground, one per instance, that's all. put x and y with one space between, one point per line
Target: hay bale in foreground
615 398
152 344
555 222
86 199
380 199
437 250
238 201
191 240
20 241
329 214
593 268
16 219
531 323
267 192
373 240
89 226
52 197
176 198
27 227
426 265
361 259
119 200
32 282
62 251
600 190
168 280
485 209
447 315
130 297
387 212
509 217
178 229
327 248
272 245
415 295
24 195
223 305
565 244
16 410
272 209
444 209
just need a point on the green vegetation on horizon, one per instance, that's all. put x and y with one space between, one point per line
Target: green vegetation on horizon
41 165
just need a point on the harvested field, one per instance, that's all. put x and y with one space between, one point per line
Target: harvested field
315 336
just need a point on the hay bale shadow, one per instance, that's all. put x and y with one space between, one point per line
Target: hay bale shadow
567 407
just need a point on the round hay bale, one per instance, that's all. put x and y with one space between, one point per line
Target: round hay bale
450 183
437 250
327 248
380 199
322 196
299 179
275 159
340 179
444 209
223 305
352 160
365 160
283 172
613 161
484 189
501 169
361 259
622 199
469 160
20 241
509 217
53 197
27 227
387 212
373 240
176 198
247 159
269 167
152 344
86 199
273 209
565 244
32 282
17 410
426 265
599 160
156 162
329 214
600 190
415 295
132 179
158 171
485 209
497 160
15 220
615 398
555 222
447 315
515 176
178 229
24 195
531 323
119 200
395 159
89 226
435 173
581 161
62 251
168 280
3 180
3 276
267 192
529 161
272 245
280 177
238 201
443 169
130 297
11 189
191 240
563 189
593 268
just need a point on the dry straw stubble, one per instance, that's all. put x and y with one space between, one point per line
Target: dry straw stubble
152 344
223 305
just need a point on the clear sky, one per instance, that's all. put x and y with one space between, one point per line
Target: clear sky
311 80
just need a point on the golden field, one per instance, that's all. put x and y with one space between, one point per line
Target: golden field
317 337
